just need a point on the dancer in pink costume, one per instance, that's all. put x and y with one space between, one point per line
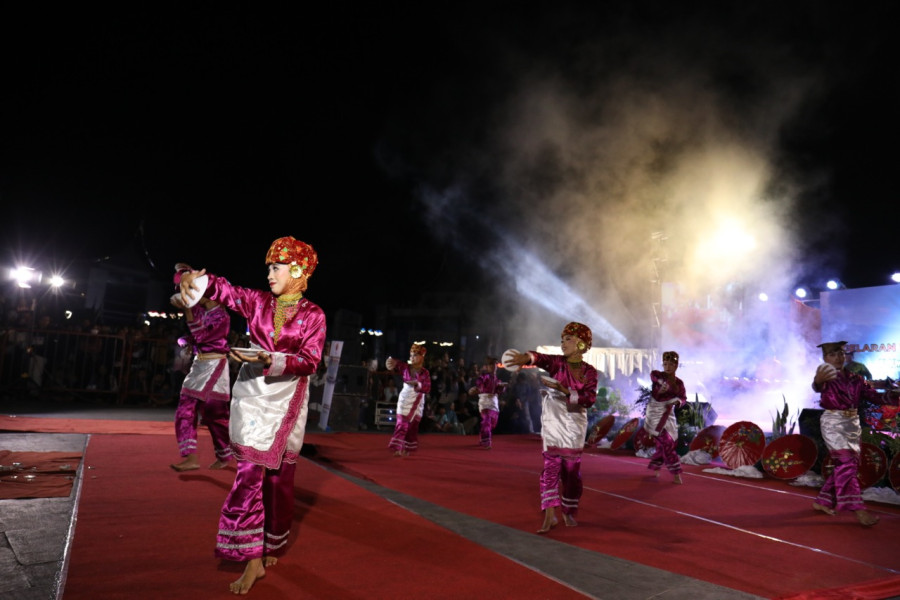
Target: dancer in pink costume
563 420
667 393
411 402
206 390
841 392
488 387
269 404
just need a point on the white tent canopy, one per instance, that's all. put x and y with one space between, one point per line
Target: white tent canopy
615 361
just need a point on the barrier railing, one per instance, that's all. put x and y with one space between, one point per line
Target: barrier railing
121 368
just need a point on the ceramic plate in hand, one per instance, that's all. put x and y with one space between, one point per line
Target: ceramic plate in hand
548 380
195 295
828 368
251 352
506 359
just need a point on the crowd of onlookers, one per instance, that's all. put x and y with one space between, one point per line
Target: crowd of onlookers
449 408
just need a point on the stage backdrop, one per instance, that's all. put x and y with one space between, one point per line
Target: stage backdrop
869 320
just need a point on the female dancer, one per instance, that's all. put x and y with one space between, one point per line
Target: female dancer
206 390
411 403
666 394
269 403
573 389
488 387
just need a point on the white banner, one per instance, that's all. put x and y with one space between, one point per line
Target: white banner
332 360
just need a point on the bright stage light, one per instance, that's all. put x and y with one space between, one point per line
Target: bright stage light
763 297
835 284
57 281
25 276
801 292
895 277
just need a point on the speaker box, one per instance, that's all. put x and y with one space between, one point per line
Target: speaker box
344 413
352 380
810 427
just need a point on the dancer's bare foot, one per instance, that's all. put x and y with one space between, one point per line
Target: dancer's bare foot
824 509
218 465
253 571
188 464
677 480
549 521
865 518
570 520
268 561
656 474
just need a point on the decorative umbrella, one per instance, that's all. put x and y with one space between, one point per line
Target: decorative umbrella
894 472
599 431
708 440
873 465
789 456
624 434
642 440
742 444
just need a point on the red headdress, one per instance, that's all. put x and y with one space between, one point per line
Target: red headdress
299 255
582 332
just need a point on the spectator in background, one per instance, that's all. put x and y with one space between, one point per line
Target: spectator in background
856 367
527 390
447 421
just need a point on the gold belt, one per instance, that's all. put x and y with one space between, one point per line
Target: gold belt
850 412
210 355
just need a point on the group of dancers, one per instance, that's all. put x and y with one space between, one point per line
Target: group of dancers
571 389
261 423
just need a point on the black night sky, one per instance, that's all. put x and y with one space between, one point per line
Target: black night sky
202 131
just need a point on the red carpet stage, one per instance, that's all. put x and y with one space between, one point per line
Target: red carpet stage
141 526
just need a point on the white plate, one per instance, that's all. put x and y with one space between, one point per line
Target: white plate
508 356
828 368
548 380
251 352
195 295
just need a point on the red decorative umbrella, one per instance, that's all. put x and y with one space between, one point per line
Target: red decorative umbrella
642 440
599 431
708 440
742 444
873 465
789 456
624 434
894 472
